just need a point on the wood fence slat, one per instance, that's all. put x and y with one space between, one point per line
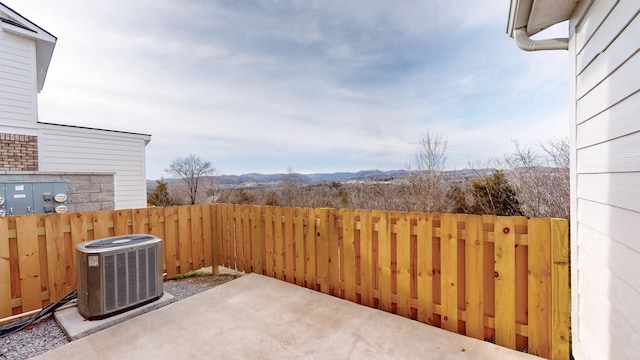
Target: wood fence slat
334 257
140 221
197 242
474 268
505 268
289 259
449 271
299 246
384 259
560 313
231 240
278 248
257 245
366 278
29 262
5 270
247 237
219 215
310 251
242 241
171 233
349 255
56 254
403 253
539 282
78 224
156 228
213 235
425 268
120 222
101 226
268 239
322 244
184 239
207 241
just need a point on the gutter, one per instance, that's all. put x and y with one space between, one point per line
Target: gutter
525 43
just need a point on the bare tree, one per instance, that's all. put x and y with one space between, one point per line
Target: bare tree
427 183
541 179
191 170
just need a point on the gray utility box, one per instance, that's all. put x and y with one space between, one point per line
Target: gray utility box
22 198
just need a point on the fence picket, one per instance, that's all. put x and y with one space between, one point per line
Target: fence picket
474 268
299 246
5 269
56 256
197 249
184 239
140 220
334 257
278 245
505 268
560 284
539 287
257 244
310 251
366 278
349 255
322 244
449 272
403 253
425 268
29 262
242 245
171 233
289 259
268 240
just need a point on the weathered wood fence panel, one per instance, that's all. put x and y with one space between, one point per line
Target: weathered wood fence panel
503 279
37 252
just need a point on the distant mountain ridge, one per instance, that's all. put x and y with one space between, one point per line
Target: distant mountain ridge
255 179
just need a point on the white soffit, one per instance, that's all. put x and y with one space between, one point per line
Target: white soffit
545 13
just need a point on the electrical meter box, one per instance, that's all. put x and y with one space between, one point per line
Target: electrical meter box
22 198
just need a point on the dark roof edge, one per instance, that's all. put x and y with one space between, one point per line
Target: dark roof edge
90 128
29 21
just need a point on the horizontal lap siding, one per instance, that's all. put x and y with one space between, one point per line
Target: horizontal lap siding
18 104
607 45
72 149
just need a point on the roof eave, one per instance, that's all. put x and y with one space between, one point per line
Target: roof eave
45 41
537 15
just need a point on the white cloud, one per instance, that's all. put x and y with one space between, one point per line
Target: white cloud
312 85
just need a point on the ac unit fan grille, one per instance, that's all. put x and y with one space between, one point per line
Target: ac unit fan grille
126 281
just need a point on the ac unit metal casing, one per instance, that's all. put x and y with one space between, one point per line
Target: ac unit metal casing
118 273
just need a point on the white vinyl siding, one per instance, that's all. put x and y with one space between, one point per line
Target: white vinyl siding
605 48
18 81
62 148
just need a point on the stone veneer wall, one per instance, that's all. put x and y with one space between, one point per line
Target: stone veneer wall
85 191
18 152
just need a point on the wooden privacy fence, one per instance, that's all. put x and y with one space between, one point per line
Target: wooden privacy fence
503 279
37 252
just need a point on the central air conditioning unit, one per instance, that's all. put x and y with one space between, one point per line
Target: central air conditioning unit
118 273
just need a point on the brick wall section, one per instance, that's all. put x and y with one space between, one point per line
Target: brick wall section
18 152
85 191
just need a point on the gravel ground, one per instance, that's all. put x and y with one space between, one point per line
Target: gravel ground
46 334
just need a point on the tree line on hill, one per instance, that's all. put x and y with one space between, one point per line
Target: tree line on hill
533 181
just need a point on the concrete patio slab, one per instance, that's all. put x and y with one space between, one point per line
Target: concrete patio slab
256 317
76 327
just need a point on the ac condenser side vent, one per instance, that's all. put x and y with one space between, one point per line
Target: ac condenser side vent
118 273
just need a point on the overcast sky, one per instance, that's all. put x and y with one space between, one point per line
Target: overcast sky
315 86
